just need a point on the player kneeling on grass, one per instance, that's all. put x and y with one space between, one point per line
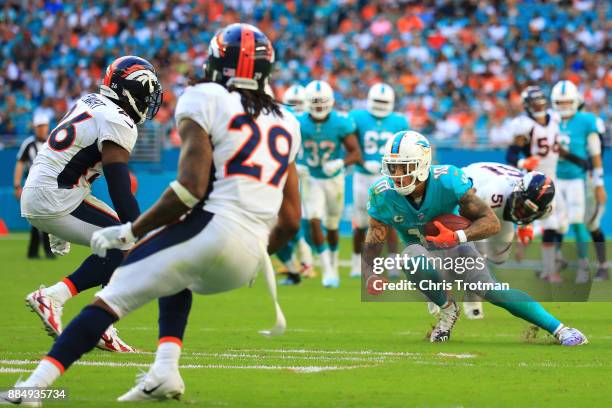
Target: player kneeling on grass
410 195
215 227
96 136
516 199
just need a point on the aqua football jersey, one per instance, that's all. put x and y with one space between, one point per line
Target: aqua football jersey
374 132
322 141
573 137
445 187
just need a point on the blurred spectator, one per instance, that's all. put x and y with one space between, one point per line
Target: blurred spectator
438 54
25 157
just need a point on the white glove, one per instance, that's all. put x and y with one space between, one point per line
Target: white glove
331 167
372 166
302 170
120 237
58 246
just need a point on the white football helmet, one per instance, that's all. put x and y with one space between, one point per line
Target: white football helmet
319 99
407 159
565 91
381 100
295 96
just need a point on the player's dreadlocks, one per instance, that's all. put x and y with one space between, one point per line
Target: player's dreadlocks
256 102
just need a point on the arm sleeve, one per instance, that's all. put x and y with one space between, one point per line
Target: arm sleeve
118 180
513 154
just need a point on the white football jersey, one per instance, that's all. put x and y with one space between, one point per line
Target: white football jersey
542 140
494 182
250 156
71 159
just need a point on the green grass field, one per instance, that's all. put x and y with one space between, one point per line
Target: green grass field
337 351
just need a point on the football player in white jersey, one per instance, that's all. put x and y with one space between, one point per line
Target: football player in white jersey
235 199
536 139
516 199
95 137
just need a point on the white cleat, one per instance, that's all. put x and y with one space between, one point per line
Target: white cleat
473 310
446 320
582 276
12 397
110 341
48 308
568 336
154 386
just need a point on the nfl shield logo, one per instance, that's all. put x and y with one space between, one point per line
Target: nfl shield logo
421 216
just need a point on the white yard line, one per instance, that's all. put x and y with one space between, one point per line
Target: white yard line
299 369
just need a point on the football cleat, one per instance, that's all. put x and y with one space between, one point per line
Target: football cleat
110 341
7 399
582 275
292 278
153 386
568 336
48 308
308 271
446 320
473 310
331 282
602 274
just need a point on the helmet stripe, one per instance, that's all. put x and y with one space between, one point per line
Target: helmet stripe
246 56
544 188
318 86
563 87
396 143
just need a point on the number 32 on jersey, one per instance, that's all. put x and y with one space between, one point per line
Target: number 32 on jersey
277 146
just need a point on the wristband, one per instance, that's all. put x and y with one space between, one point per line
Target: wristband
598 178
183 194
461 236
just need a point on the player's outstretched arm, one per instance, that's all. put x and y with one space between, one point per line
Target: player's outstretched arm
484 222
193 174
374 242
114 164
353 152
289 214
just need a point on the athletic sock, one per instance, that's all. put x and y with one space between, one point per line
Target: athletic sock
429 274
600 247
356 264
81 335
173 314
45 374
326 266
582 237
168 354
304 252
96 271
548 260
523 306
62 290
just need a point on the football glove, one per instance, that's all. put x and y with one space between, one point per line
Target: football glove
525 234
529 163
372 166
58 246
331 167
446 238
120 237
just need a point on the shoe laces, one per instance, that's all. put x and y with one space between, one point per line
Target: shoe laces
448 316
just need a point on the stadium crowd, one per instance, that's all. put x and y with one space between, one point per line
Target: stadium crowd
457 66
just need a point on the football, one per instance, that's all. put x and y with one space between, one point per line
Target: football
450 221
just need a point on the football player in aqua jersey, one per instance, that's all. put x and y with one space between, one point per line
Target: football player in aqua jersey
324 133
295 99
410 194
579 135
375 125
